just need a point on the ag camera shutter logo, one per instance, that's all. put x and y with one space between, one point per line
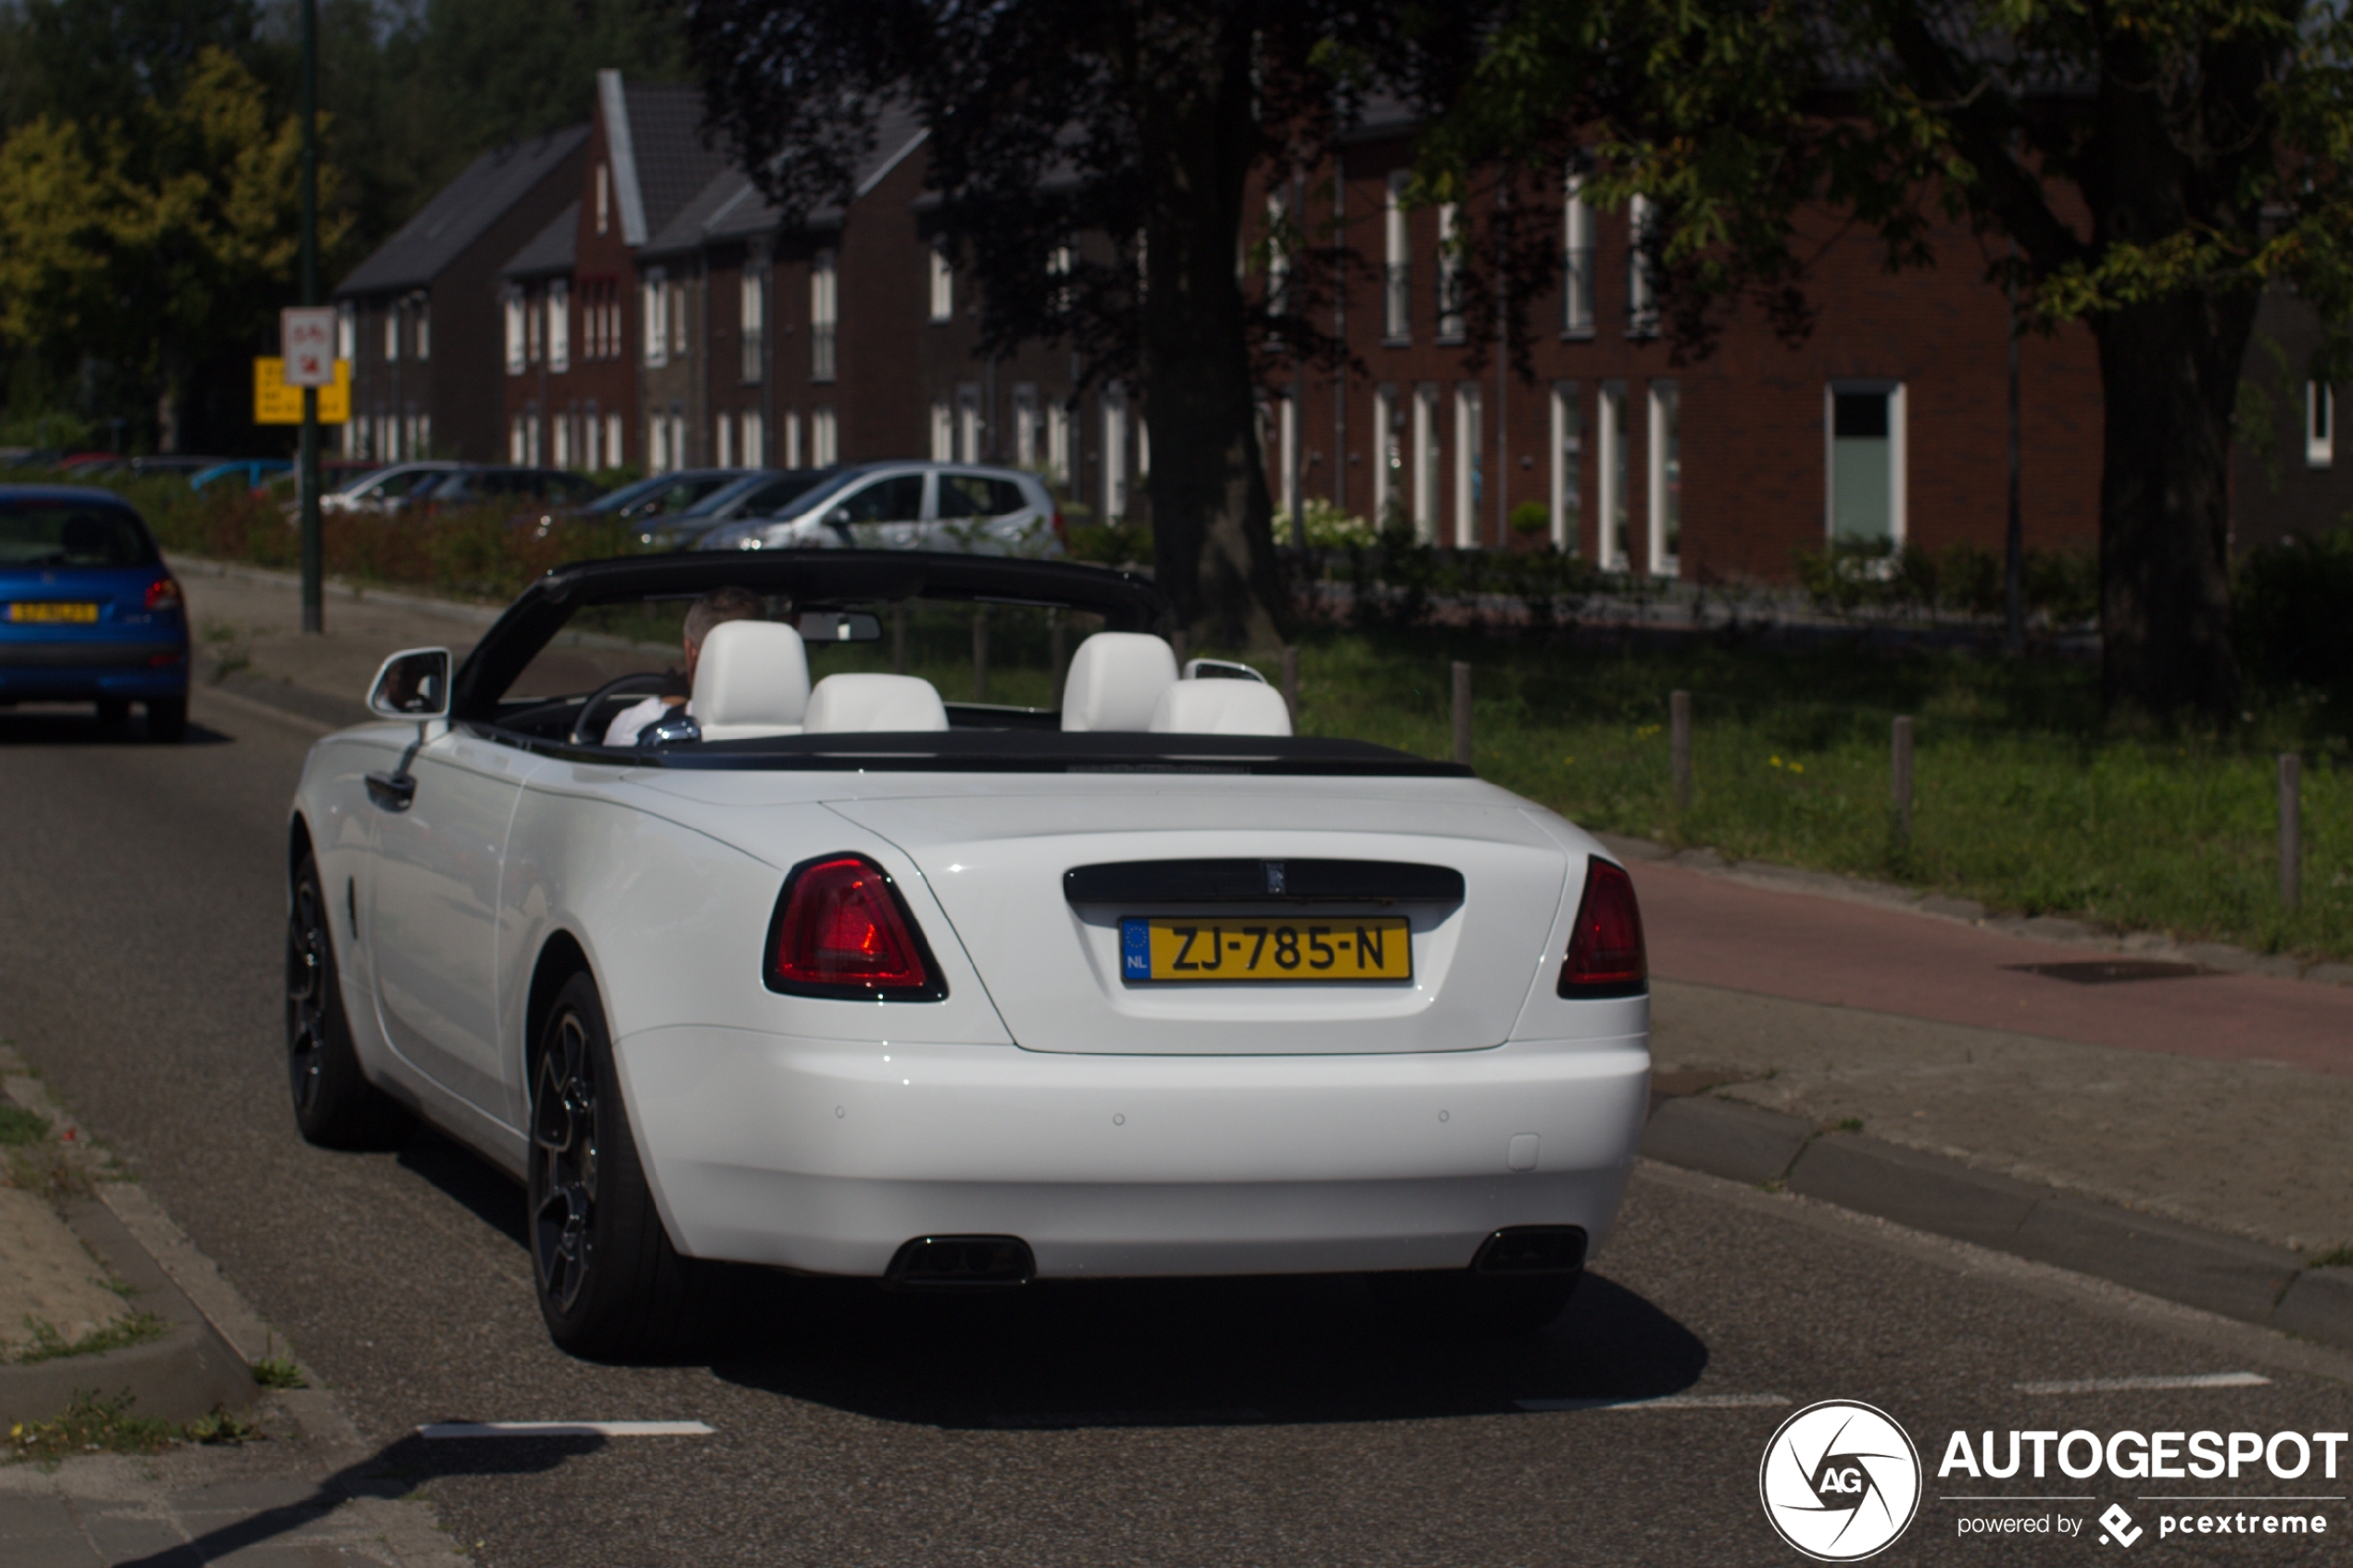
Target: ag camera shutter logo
1840 1481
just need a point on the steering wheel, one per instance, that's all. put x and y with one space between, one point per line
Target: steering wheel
584 730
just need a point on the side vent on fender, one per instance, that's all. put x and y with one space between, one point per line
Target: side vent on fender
1606 956
842 931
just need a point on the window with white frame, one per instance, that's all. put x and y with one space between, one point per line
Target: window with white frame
1450 273
591 440
943 431
1389 451
943 283
392 331
1278 253
604 198
824 438
723 430
514 438
1665 479
751 316
792 438
1058 442
1866 464
517 309
422 446
531 436
678 316
1059 263
563 441
653 298
534 327
421 333
1469 474
614 454
657 443
968 431
1397 263
2319 424
1567 467
347 331
1426 459
1642 298
559 326
1115 414
823 316
1576 262
1026 424
755 439
1611 449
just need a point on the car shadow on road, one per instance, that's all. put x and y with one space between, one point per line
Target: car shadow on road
1184 1352
80 727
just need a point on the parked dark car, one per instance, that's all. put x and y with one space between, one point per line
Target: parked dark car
664 495
88 611
467 486
759 493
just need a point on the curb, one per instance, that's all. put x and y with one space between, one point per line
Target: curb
452 609
188 1373
2268 1285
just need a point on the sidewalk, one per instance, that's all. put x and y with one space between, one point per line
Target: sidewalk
2219 1100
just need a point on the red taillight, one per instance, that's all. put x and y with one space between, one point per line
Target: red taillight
1606 956
841 930
164 594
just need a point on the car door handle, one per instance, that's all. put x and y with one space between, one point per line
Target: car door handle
391 792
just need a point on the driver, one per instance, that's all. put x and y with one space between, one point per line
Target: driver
716 607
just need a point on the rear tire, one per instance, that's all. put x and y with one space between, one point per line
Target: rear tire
1482 1306
609 1281
168 718
334 1103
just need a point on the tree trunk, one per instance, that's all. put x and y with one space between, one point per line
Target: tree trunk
1212 524
2170 374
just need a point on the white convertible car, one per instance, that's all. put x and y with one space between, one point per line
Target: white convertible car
840 979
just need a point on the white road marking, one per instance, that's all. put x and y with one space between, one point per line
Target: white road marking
2136 1385
564 1429
1664 1403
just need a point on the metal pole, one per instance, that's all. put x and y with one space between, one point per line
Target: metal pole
1291 682
1461 713
2291 829
1678 727
980 656
1901 778
314 611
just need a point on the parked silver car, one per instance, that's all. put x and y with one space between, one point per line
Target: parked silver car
907 506
387 489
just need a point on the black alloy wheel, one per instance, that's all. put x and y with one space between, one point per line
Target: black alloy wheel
334 1103
609 1281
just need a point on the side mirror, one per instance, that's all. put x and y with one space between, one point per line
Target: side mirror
413 684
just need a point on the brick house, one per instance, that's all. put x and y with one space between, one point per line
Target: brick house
434 286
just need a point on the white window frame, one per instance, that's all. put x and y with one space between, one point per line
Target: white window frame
559 326
825 437
654 297
1577 261
1898 460
678 318
1397 261
517 308
1642 296
751 324
1468 420
1567 479
616 452
1609 472
1389 457
1449 302
347 334
392 331
421 332
1114 403
825 315
723 430
514 438
792 438
1058 441
943 283
943 431
755 439
1026 424
1426 457
1278 253
1664 400
2319 424
968 423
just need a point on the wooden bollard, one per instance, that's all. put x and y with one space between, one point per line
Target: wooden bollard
2291 829
1679 731
1900 777
1461 713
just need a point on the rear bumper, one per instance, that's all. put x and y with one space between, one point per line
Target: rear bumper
827 1156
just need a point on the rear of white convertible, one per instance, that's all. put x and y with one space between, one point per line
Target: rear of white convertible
1094 1023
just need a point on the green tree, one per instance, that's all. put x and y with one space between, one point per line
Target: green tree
2157 163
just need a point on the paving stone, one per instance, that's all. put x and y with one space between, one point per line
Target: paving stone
1740 1143
40 1532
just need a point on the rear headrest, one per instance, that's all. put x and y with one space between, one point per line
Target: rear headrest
1115 679
1220 708
846 703
752 680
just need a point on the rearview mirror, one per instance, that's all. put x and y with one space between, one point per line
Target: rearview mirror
839 626
413 684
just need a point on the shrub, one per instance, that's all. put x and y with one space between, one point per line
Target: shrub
1531 518
2292 632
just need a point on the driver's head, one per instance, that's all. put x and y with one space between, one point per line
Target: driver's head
719 606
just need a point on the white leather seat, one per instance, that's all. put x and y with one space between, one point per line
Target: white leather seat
1220 708
848 703
752 680
1116 677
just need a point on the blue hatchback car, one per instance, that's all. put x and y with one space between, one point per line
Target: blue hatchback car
88 611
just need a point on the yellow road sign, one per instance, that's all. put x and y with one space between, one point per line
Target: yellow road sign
275 403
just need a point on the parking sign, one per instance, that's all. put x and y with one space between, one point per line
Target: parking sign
306 338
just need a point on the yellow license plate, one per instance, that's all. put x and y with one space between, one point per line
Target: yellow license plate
1259 947
78 614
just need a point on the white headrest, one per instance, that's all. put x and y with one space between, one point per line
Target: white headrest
752 680
1115 679
845 703
1220 708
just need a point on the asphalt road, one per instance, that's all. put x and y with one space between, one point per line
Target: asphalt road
141 911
